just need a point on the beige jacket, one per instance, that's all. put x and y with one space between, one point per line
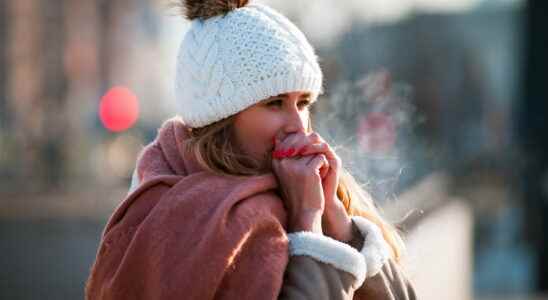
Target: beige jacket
308 277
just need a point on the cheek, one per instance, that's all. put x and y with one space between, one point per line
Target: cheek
259 138
255 132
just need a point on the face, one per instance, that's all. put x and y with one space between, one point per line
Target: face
255 127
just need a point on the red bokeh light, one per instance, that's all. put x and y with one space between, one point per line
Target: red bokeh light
119 109
376 132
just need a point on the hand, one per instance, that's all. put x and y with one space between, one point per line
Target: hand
336 222
301 188
293 146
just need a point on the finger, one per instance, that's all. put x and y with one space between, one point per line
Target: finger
306 159
311 139
319 161
289 145
297 145
297 142
332 158
323 148
308 140
315 138
324 170
313 149
292 144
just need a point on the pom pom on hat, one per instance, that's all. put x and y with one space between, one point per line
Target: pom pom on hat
205 9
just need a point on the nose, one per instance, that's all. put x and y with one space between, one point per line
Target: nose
296 121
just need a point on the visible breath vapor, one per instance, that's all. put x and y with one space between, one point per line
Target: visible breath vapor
370 122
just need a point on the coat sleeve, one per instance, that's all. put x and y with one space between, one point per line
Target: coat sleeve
389 284
321 268
385 280
308 278
316 274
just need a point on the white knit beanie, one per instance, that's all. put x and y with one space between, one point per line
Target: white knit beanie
236 54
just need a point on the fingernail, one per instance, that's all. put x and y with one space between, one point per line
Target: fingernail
290 152
278 154
303 150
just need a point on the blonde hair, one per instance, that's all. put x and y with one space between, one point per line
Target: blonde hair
214 148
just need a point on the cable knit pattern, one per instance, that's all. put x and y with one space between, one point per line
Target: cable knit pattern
228 63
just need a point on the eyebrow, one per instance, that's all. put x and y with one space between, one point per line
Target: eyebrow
304 95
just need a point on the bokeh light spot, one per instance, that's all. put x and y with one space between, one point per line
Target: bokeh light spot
118 109
376 132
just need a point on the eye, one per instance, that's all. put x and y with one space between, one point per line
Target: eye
275 102
305 103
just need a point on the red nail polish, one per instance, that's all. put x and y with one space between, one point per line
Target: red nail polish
278 154
290 152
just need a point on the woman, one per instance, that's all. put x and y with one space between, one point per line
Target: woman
238 198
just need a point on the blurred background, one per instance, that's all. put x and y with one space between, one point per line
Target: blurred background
437 106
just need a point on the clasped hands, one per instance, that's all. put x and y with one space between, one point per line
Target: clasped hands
308 171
